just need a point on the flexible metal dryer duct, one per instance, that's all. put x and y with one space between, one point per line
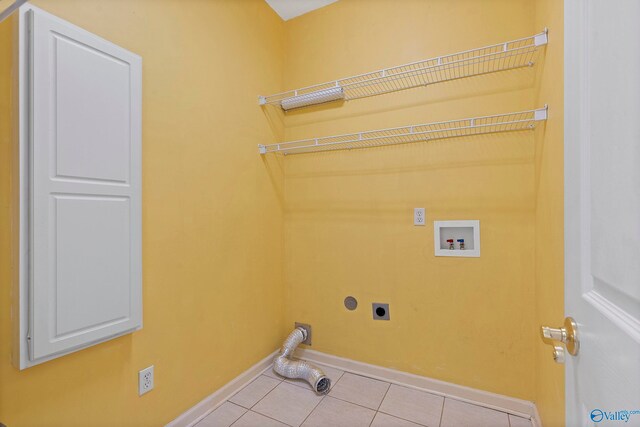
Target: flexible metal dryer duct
288 368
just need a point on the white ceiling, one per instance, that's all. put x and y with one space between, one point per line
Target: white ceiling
288 9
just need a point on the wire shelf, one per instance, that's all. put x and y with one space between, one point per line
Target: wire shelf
488 59
523 120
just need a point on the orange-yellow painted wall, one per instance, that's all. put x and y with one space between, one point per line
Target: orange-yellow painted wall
349 215
549 258
222 285
212 217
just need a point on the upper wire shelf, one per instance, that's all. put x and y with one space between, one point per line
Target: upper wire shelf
498 57
518 121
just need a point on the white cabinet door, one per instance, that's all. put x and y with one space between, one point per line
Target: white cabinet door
602 210
85 188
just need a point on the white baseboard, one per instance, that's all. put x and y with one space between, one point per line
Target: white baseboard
511 405
535 419
210 403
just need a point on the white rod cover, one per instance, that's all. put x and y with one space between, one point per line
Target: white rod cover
313 98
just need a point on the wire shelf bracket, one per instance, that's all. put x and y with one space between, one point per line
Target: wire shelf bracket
498 57
509 122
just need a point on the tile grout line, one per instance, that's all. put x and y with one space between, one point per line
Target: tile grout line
314 408
444 401
255 412
262 415
267 416
521 412
321 400
284 380
276 377
400 418
404 419
234 394
231 425
380 404
264 397
259 400
270 391
375 414
357 404
222 404
304 385
386 413
243 388
346 401
383 397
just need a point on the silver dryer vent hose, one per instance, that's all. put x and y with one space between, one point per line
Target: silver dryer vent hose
288 368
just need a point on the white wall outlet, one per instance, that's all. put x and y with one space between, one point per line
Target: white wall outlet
145 380
419 216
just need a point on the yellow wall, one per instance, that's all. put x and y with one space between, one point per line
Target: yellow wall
348 221
212 215
222 223
549 287
6 56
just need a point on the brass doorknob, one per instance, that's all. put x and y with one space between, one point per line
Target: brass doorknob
567 335
558 354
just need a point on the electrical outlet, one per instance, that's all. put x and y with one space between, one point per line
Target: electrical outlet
418 216
380 311
145 380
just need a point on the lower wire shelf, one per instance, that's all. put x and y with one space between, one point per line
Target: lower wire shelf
509 122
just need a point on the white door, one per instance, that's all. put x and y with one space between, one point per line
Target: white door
602 210
84 182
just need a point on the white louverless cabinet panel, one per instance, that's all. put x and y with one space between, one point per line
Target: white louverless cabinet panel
85 283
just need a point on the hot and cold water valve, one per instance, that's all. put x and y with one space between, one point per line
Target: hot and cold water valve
452 246
457 238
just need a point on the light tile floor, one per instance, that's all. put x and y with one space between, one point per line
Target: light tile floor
353 401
